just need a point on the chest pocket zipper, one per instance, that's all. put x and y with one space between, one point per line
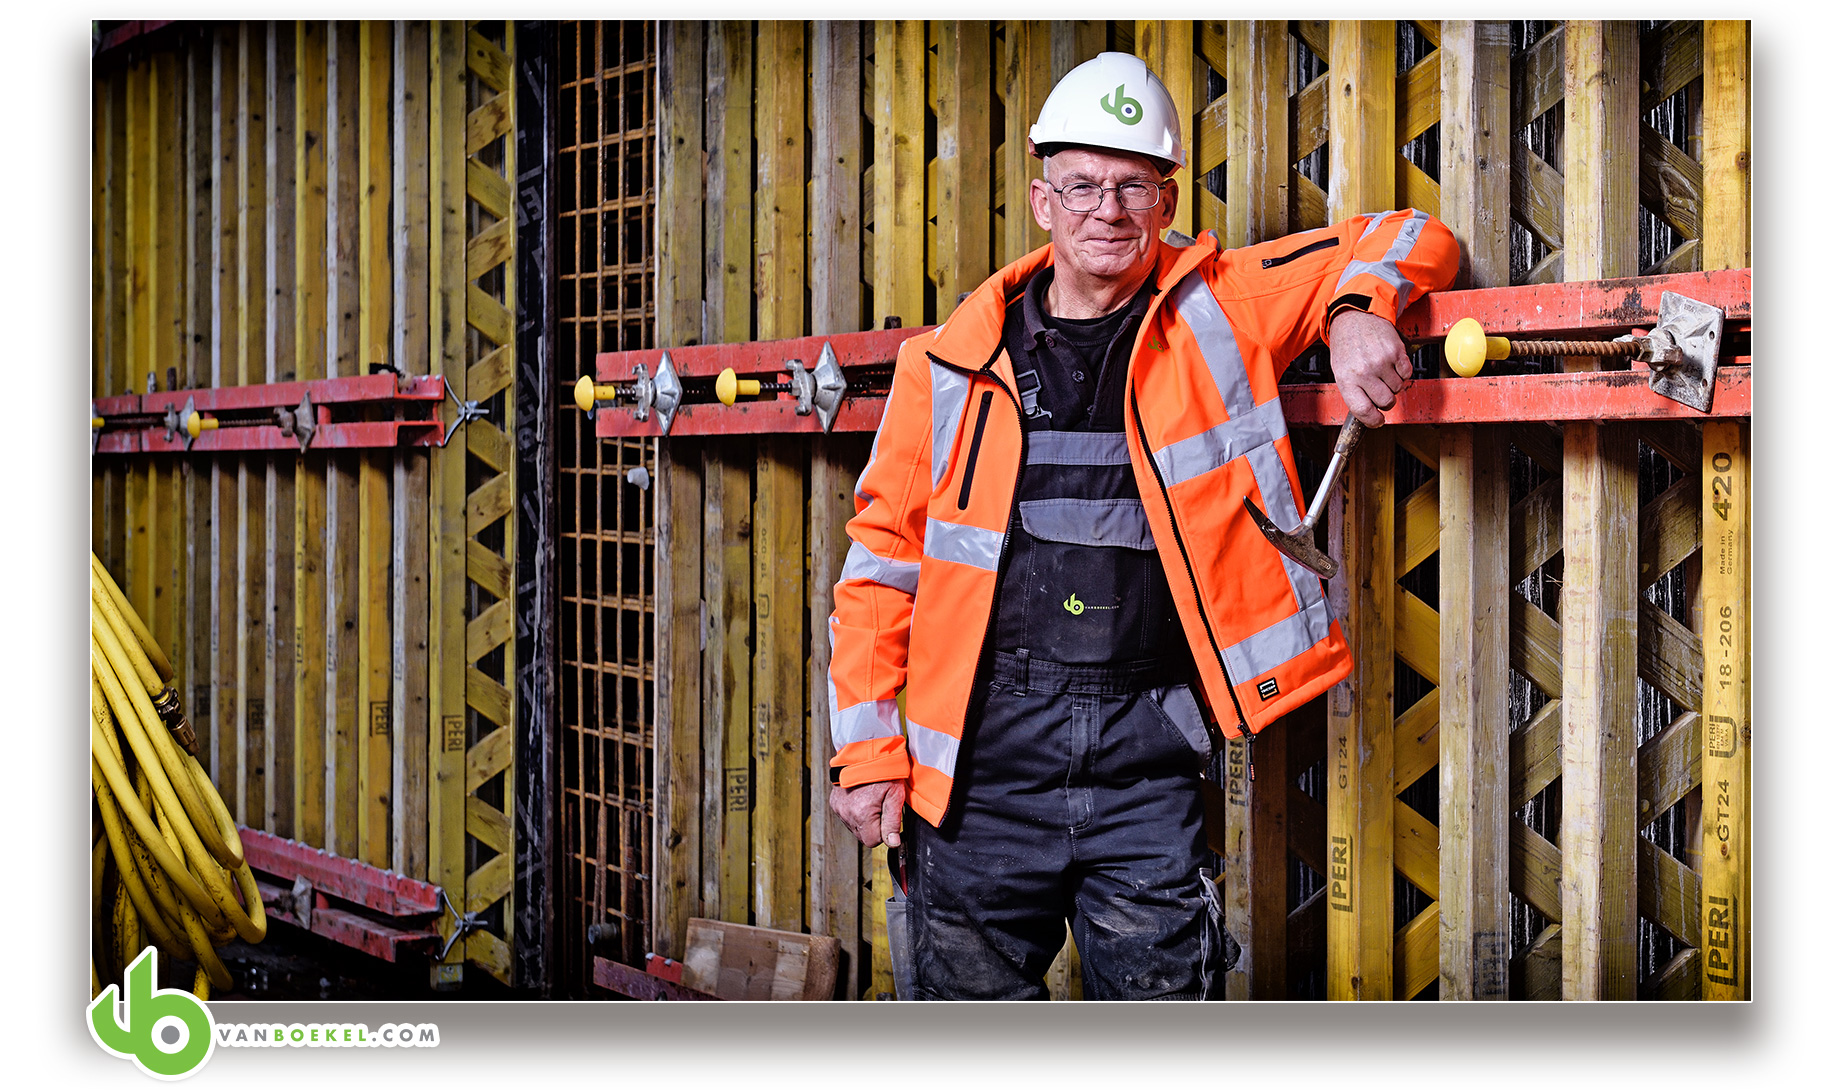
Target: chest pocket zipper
972 454
1321 244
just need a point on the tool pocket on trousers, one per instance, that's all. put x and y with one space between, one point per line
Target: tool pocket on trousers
1176 707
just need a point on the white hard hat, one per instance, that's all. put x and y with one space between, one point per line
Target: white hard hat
1113 101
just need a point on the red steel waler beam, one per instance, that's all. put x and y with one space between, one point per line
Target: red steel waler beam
348 879
378 389
1589 306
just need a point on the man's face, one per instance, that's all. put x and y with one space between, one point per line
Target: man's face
1111 243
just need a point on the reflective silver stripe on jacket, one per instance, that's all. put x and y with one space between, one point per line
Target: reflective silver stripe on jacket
962 544
931 747
1278 643
865 721
950 390
1250 432
1389 268
1222 444
861 563
1076 448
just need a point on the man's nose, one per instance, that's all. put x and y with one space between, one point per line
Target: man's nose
1118 211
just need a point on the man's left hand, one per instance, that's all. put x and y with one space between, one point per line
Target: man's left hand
1369 362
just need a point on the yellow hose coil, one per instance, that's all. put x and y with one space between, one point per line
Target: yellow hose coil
167 865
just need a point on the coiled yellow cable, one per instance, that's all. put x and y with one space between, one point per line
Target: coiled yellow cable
167 866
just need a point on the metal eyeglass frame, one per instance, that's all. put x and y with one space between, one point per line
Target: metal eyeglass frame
1157 188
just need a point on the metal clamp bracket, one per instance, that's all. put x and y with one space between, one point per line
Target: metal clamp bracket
463 925
464 411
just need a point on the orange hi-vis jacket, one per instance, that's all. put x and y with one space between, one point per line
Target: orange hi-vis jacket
1203 428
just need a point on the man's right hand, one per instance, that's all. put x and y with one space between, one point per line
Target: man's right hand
872 810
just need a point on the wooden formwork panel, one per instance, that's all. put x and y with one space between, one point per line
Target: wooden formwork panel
283 201
1294 125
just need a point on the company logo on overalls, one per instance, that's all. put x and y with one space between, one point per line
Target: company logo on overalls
1126 109
166 1033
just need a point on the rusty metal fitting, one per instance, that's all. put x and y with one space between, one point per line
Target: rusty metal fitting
167 706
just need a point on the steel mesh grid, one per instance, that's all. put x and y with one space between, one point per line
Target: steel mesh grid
604 269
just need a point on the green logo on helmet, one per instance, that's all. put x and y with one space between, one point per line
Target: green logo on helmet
1126 109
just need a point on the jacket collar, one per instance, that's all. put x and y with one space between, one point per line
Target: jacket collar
972 335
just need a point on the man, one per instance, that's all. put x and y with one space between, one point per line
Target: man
1052 556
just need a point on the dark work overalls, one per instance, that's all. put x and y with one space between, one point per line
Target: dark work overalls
1079 791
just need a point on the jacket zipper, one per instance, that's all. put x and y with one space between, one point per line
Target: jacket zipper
1004 543
1184 554
1321 244
972 455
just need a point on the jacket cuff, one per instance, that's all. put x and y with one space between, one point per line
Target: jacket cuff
890 766
1351 301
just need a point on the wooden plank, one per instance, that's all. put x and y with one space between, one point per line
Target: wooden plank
343 307
728 594
1360 774
489 826
409 546
837 293
195 669
1417 741
1669 60
1535 754
1669 182
1599 588
1536 871
1417 849
1726 708
1362 117
1166 46
1535 529
252 352
897 265
310 517
1669 766
739 962
220 743
963 125
1669 531
1473 675
1310 125
780 222
488 757
452 178
279 365
882 984
1726 503
1669 656
1417 634
1669 893
729 266
1417 97
1535 645
678 799
1678 980
1417 528
1538 87
1474 130
374 522
780 693
1305 831
1256 183
1417 953
1536 970
1536 196
1025 80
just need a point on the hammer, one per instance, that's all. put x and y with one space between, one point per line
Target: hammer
1298 544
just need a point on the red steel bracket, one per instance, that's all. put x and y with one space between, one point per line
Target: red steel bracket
639 984
359 411
327 877
1595 307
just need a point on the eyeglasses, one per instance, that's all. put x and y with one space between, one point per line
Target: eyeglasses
1087 197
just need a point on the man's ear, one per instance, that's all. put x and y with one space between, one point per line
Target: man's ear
1040 197
1167 204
